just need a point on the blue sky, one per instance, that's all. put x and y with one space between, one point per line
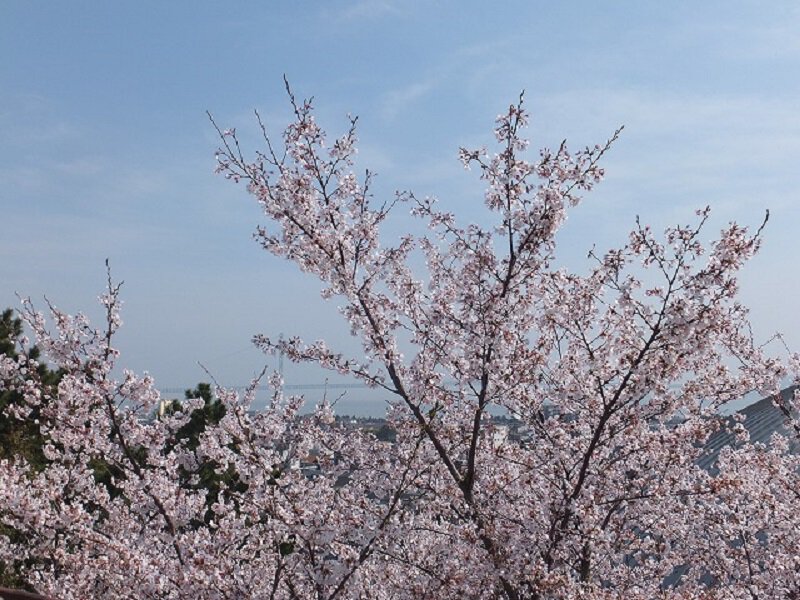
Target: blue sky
107 152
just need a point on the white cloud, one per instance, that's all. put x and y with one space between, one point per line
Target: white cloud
400 99
685 139
368 10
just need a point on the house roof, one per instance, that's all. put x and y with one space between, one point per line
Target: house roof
762 419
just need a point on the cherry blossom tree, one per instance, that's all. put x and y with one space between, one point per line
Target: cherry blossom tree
616 377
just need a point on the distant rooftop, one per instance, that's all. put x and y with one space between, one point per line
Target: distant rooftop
762 419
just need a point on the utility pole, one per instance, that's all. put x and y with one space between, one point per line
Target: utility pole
280 355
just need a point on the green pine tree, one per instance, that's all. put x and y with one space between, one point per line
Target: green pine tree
210 476
20 438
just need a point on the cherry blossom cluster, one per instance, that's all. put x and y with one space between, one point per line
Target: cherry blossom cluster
616 378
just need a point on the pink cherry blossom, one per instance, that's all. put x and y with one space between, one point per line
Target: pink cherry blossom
612 487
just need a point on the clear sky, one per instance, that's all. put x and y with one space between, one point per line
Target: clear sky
107 153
